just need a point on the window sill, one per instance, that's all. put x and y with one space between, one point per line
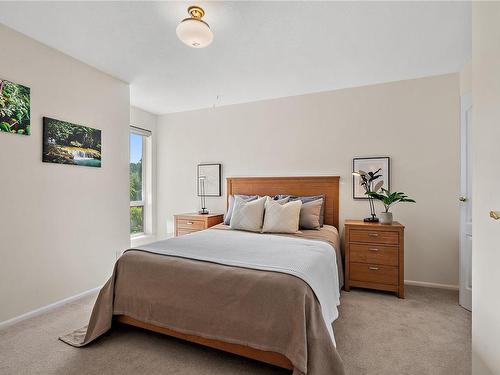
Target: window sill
141 239
144 239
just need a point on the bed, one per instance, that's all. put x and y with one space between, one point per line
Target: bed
198 288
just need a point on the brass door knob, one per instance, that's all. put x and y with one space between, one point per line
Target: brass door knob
495 215
462 199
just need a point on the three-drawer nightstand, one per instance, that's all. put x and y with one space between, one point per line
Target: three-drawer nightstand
189 223
374 256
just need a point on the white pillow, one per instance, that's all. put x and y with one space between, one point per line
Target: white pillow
281 217
248 215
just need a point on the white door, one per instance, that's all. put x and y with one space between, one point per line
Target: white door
466 202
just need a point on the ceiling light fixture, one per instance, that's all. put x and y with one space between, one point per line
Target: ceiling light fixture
193 31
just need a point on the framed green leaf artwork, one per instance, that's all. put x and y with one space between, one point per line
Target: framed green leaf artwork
67 143
14 108
377 170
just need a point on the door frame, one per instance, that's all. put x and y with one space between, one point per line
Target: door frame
465 105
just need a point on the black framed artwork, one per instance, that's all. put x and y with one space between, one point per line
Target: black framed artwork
209 180
370 164
68 143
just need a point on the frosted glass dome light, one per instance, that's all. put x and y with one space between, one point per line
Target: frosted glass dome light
193 31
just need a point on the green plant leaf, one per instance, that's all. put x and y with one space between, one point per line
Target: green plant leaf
4 126
388 199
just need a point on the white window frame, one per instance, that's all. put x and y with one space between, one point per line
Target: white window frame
147 174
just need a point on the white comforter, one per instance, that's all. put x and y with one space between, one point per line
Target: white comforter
311 260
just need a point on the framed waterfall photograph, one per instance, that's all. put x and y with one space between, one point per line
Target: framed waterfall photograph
67 143
381 165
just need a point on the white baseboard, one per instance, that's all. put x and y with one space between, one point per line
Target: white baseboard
44 309
431 285
52 306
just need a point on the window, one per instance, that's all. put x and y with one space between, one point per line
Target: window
140 181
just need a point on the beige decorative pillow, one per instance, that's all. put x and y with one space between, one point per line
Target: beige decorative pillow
248 215
281 218
229 213
310 214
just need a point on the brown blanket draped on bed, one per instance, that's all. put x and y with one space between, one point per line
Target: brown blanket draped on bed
265 310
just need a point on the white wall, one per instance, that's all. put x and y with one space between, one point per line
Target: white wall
415 122
143 119
466 79
486 193
146 120
60 225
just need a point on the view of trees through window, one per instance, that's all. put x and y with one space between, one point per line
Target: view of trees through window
136 184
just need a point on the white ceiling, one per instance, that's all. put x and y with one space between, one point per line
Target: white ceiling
261 50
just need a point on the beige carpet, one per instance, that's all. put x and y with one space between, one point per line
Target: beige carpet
427 333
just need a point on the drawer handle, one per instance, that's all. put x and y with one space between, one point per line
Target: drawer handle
189 223
373 249
373 234
373 268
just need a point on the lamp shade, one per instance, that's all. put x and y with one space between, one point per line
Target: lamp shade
195 33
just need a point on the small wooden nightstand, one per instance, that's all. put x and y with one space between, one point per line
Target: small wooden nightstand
189 223
374 256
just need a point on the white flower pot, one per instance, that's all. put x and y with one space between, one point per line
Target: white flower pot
385 218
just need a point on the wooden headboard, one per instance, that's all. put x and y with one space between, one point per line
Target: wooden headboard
327 185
